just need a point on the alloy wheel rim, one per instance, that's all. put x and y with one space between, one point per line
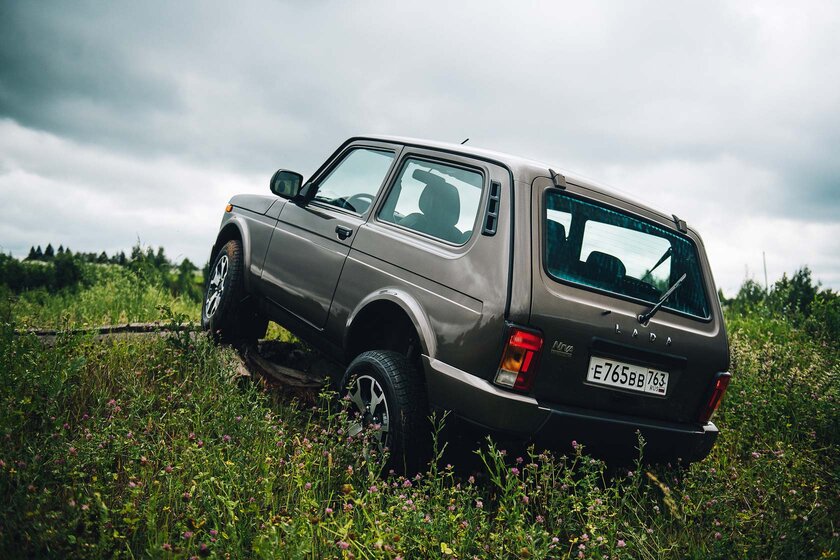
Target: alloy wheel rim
368 395
216 287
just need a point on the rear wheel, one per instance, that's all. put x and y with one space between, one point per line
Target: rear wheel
389 400
225 313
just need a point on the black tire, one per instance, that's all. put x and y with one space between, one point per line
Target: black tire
225 313
408 427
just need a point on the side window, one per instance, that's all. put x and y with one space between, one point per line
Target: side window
354 182
436 199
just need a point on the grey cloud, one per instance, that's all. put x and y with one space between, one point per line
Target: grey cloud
589 86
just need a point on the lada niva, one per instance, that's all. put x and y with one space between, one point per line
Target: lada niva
530 303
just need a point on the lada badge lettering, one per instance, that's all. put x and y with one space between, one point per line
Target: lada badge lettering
562 349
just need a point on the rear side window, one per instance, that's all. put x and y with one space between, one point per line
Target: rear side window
436 199
603 248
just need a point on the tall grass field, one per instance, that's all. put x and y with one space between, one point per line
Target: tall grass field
156 447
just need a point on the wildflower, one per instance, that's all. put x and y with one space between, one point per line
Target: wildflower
348 508
199 444
343 545
574 443
621 543
144 460
239 419
226 438
718 536
167 469
406 483
328 511
308 485
166 546
373 489
540 519
479 504
72 451
186 496
66 426
584 537
581 547
187 535
85 416
755 454
213 532
191 436
514 471
203 550
471 479
519 460
525 499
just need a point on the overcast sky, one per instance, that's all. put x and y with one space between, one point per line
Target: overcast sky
127 121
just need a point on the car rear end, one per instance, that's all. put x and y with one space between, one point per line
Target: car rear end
599 369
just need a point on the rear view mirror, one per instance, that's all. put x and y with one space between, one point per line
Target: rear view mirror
286 184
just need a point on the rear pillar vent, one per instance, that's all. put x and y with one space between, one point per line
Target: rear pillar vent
491 215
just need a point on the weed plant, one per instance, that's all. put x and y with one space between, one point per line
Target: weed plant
155 447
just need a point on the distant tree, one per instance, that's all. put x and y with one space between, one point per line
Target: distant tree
60 250
793 296
121 260
39 254
49 252
68 271
160 259
31 256
102 258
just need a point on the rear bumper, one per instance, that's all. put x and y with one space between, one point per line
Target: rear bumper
603 434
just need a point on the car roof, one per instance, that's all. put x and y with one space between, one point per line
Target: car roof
523 169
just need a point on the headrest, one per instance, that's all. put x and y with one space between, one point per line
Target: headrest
556 232
607 266
439 201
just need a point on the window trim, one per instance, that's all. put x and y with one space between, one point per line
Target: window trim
337 160
595 289
398 173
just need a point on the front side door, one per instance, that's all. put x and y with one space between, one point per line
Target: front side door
310 244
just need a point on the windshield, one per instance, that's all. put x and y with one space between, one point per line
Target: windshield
602 248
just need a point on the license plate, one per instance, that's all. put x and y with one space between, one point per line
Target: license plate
612 373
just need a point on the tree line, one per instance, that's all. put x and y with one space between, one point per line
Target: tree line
54 270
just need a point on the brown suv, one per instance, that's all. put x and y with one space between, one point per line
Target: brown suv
529 303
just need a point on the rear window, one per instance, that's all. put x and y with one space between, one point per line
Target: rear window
603 248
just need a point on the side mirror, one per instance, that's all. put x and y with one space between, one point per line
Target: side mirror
286 184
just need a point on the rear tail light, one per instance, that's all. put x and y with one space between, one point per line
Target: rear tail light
519 359
721 383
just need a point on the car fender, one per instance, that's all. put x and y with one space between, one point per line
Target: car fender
235 221
410 306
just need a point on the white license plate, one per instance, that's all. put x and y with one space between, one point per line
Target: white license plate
612 373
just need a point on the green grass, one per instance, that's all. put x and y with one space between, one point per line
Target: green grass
116 295
154 448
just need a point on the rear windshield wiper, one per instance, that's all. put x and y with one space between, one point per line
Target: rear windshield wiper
647 315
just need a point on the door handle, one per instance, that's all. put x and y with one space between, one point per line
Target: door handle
343 232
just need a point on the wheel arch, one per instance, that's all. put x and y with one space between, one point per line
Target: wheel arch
402 311
234 229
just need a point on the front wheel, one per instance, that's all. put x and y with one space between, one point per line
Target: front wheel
389 399
224 312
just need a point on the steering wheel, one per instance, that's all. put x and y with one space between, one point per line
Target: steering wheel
361 198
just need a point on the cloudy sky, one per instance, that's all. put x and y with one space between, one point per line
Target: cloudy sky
127 121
